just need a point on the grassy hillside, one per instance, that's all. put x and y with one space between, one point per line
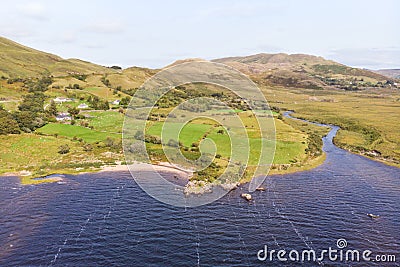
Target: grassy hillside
17 60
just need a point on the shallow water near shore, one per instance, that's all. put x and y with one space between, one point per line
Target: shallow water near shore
105 219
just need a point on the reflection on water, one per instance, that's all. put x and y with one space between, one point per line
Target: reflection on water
105 219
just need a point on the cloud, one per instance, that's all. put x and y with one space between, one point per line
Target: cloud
33 10
372 58
16 30
105 27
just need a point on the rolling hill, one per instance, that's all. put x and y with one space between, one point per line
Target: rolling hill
391 73
303 71
17 60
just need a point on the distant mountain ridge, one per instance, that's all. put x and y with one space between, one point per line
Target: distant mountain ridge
391 73
306 71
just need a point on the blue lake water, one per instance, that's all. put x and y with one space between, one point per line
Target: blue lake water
105 219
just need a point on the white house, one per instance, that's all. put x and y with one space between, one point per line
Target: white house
60 100
63 117
82 106
116 102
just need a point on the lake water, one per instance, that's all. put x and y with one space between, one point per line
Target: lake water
105 219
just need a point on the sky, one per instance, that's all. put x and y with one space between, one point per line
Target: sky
154 34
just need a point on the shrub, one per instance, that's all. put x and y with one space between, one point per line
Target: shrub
63 149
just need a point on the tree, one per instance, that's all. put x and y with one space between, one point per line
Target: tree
96 103
32 102
104 105
28 121
105 81
8 125
125 101
52 110
73 111
63 149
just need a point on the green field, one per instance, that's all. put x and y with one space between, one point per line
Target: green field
190 133
72 131
291 143
108 121
30 151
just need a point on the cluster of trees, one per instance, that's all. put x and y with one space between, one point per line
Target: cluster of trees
125 101
73 86
39 85
8 124
195 105
81 77
181 93
30 114
105 81
96 103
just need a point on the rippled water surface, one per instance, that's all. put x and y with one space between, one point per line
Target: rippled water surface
105 219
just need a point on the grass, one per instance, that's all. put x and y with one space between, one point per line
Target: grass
190 133
71 131
104 93
368 118
108 121
11 91
39 155
28 151
20 61
291 142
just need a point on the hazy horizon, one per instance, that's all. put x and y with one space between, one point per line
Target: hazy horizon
154 34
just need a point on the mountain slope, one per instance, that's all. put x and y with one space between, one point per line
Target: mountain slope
391 73
17 60
305 71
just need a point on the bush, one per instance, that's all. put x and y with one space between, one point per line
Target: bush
63 149
111 143
87 147
173 143
195 144
152 139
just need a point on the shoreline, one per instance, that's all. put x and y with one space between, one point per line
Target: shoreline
165 167
28 178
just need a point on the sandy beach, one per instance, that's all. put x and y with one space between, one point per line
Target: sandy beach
163 167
